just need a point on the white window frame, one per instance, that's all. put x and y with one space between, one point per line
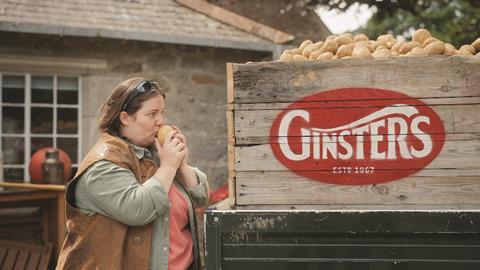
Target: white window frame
27 135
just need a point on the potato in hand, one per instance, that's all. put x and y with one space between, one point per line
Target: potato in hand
162 133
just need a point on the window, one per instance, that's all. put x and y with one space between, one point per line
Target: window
36 112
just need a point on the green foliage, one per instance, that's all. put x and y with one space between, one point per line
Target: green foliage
453 21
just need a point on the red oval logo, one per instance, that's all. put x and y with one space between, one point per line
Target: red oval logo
356 136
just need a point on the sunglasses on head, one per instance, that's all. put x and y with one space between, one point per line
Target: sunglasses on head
142 87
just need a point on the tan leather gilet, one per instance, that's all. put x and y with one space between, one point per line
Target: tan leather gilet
98 242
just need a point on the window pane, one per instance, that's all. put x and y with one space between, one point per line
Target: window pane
12 119
39 143
67 90
42 120
13 89
42 89
67 121
13 150
13 174
69 145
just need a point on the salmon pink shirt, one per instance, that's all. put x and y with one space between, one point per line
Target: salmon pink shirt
181 242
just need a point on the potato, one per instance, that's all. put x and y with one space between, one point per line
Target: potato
385 37
385 40
407 47
304 44
420 35
469 48
360 37
331 37
476 44
449 49
360 51
417 51
296 51
435 48
365 43
308 49
383 53
378 43
381 37
390 37
344 39
381 47
464 52
311 48
397 46
362 42
330 46
345 50
325 56
314 54
429 40
335 57
162 133
286 57
298 57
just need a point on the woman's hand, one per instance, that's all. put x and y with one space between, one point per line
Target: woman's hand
171 155
185 173
173 150
183 139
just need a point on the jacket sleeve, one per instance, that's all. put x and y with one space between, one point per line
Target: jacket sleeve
113 191
200 193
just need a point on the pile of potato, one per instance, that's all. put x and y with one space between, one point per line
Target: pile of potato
359 46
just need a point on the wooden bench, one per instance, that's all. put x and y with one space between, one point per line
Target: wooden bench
50 200
19 256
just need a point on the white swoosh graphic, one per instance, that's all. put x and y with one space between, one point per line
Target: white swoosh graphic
401 109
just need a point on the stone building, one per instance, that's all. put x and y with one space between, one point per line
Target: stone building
59 59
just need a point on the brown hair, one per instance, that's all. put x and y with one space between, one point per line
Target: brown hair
109 120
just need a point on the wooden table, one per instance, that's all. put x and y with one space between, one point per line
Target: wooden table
50 198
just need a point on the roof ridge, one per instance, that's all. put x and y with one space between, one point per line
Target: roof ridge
237 21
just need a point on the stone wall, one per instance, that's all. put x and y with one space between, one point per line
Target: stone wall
193 77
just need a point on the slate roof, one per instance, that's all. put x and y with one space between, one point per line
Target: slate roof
149 20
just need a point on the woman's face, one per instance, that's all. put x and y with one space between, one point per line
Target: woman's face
142 127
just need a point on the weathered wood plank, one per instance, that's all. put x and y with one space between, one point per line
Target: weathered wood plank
444 208
459 155
456 119
231 157
441 76
241 141
430 101
3 252
229 83
230 136
423 188
45 258
33 261
10 259
22 260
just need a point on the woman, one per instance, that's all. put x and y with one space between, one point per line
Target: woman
131 204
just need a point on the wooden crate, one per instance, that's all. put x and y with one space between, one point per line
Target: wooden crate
339 94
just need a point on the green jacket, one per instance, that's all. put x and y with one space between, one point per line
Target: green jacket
114 192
